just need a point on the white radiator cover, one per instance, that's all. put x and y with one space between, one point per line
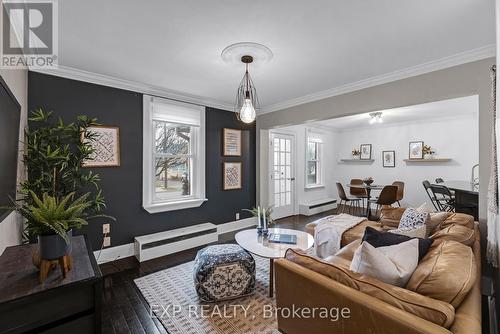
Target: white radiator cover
155 245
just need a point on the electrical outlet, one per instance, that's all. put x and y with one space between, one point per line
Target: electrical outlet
105 228
237 216
106 242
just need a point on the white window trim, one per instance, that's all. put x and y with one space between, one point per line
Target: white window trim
198 187
314 137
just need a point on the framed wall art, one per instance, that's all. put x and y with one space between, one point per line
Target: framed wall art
232 175
415 150
231 142
388 158
366 151
106 147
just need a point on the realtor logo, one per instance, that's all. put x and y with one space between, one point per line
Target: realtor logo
29 34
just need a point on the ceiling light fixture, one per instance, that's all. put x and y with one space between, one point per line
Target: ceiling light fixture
375 117
247 101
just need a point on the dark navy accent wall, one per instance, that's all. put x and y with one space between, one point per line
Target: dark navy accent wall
122 186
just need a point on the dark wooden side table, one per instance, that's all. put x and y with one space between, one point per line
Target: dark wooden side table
59 305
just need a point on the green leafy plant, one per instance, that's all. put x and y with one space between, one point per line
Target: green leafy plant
49 215
268 212
54 153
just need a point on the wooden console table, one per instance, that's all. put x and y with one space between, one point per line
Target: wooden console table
59 305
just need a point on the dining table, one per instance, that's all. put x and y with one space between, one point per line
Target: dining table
368 188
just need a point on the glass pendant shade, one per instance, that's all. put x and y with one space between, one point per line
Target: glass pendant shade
247 103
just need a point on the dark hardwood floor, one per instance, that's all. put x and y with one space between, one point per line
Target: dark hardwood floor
124 308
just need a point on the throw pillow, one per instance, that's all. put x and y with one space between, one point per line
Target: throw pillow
419 232
379 239
436 218
411 218
390 264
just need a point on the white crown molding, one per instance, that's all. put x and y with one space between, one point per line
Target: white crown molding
106 80
435 65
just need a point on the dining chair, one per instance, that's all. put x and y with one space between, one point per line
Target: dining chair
444 198
358 192
348 199
388 196
428 190
401 191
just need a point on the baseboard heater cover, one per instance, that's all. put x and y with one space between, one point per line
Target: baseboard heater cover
155 245
317 206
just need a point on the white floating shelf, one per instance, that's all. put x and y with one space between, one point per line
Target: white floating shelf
356 160
428 160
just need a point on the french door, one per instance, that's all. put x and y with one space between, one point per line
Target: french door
282 185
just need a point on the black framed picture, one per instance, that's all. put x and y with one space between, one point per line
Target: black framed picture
366 151
415 150
389 158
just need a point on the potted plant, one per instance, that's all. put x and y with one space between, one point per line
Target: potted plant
53 219
263 211
58 195
428 152
356 154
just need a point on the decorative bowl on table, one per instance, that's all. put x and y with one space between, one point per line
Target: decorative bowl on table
368 181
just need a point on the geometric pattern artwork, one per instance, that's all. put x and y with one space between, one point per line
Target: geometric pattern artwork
174 287
232 175
106 147
223 272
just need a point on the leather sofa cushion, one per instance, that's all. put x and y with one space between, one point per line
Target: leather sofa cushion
446 273
436 311
390 216
459 219
457 233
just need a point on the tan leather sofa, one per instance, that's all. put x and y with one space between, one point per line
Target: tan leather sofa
443 295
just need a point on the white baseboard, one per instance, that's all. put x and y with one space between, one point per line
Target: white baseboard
118 252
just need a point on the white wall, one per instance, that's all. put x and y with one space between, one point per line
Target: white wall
456 138
303 194
17 80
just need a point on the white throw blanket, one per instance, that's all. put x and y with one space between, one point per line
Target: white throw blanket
329 230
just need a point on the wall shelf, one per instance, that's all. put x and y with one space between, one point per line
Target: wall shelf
356 160
428 160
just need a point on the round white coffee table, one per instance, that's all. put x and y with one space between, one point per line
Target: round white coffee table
260 246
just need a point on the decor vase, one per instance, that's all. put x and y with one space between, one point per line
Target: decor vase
428 156
53 246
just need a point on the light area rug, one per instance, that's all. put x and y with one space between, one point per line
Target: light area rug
172 298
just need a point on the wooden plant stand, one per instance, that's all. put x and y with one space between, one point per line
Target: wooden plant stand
65 264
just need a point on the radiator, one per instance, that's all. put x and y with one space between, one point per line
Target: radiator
147 247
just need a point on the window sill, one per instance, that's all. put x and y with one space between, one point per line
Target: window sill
314 186
177 205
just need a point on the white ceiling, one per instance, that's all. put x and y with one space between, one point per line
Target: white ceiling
317 45
444 109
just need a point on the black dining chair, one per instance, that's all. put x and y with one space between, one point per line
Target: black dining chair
353 209
444 198
388 196
428 190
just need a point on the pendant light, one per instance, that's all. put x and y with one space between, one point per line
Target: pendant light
247 102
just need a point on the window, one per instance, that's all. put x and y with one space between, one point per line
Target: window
313 162
173 155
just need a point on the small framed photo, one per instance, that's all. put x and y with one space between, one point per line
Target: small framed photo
232 175
416 150
366 151
231 142
106 145
388 158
